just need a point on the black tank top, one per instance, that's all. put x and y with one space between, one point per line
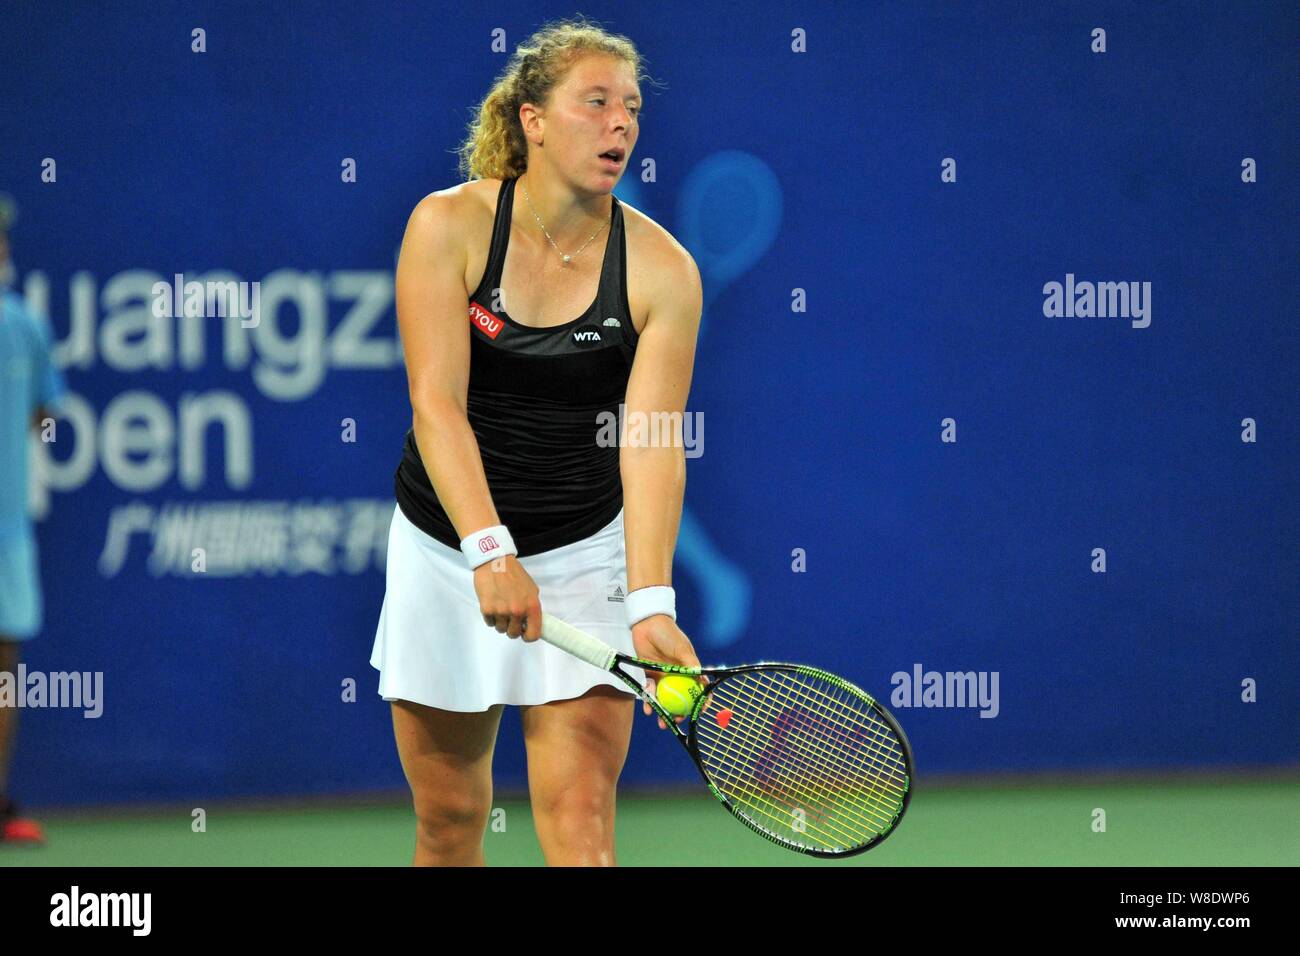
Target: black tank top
543 404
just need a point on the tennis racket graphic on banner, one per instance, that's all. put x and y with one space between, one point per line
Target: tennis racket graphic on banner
798 755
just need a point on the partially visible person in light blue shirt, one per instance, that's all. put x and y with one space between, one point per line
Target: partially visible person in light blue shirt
30 388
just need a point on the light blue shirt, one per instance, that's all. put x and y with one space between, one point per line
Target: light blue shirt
29 379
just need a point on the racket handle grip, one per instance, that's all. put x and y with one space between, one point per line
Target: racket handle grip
578 643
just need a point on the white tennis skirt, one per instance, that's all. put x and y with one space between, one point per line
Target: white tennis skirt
433 647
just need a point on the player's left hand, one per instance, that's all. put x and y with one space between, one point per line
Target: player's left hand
658 638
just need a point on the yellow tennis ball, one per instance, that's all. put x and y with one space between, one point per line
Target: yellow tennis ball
677 693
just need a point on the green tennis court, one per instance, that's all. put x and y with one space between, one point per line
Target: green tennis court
1238 823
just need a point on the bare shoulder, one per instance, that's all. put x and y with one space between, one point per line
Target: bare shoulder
454 225
661 272
655 248
458 208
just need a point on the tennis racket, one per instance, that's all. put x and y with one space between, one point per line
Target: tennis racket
800 756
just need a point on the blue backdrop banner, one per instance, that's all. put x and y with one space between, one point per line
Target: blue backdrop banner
998 364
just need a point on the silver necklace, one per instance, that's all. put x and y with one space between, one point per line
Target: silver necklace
564 260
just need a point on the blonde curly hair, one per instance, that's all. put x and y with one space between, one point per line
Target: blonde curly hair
495 147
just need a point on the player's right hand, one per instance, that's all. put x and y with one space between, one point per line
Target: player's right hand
508 598
658 638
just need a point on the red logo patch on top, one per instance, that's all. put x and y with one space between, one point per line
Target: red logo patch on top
485 320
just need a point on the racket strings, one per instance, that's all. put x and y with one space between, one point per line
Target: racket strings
778 802
798 742
780 807
872 753
882 745
805 758
765 785
783 808
882 742
807 776
844 735
759 807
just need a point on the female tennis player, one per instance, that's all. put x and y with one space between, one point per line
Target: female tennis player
516 491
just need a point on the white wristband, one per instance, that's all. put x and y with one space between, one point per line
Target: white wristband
487 545
647 602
